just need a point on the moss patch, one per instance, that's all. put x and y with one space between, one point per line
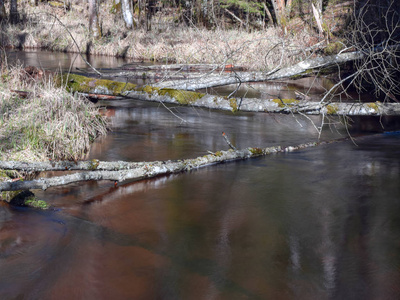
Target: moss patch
334 48
301 75
183 97
286 102
218 153
85 84
7 196
233 104
374 106
332 109
94 163
256 151
36 203
147 89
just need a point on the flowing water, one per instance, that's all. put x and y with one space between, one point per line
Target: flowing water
320 223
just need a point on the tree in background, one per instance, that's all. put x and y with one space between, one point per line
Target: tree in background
3 14
243 11
14 16
127 13
94 24
281 11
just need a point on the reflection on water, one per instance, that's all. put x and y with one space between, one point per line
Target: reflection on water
65 61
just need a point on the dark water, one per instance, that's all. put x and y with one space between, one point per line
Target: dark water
320 223
61 61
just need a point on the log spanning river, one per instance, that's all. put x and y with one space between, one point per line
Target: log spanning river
320 223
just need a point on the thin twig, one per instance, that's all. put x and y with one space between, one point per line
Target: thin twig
228 142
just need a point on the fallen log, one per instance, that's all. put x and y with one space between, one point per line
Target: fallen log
299 69
88 85
90 165
122 171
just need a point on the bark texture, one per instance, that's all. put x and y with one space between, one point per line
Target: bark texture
127 13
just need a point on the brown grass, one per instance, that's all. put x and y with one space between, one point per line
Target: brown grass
50 123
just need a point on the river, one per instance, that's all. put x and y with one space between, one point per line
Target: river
320 223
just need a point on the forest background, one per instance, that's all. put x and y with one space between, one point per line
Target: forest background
261 35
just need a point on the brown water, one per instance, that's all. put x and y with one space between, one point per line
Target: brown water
320 223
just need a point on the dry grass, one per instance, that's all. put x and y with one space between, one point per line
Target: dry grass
50 123
259 50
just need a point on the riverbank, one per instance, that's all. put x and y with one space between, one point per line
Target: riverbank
41 122
55 29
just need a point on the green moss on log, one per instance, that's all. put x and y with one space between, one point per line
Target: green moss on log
286 102
218 153
147 89
8 195
256 151
374 106
332 109
84 84
334 48
94 163
183 97
233 104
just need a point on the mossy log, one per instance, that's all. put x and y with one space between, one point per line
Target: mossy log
89 85
122 171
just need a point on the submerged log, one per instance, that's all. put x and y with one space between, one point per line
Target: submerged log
92 86
122 171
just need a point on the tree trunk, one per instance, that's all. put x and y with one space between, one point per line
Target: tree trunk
3 14
279 10
94 25
317 12
127 13
14 16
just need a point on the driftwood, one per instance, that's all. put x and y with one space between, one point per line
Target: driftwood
122 171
